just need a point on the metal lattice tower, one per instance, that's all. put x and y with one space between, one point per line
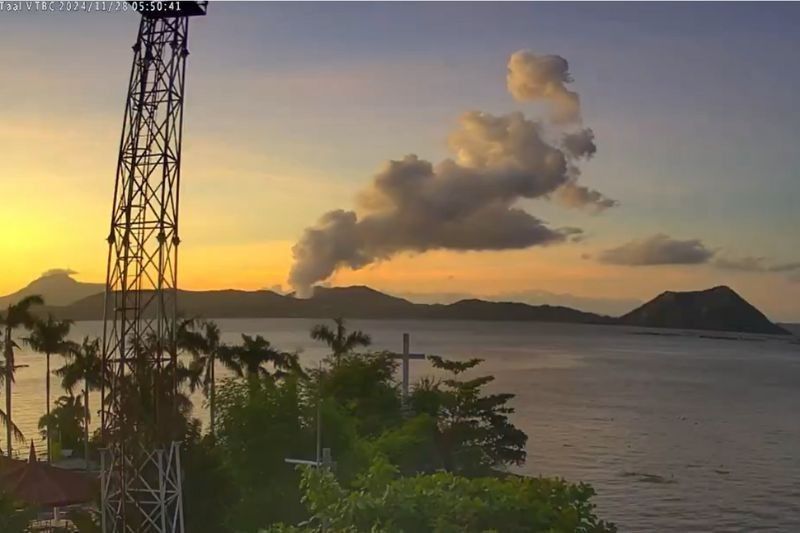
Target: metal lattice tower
141 470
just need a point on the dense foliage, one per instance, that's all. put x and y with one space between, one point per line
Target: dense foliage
431 462
472 433
381 500
65 424
259 426
429 465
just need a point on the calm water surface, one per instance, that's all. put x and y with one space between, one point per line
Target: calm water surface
676 433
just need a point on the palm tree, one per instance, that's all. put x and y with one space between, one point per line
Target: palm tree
85 365
203 342
50 337
5 420
248 359
339 340
16 316
156 400
66 420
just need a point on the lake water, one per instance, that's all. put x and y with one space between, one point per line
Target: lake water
676 433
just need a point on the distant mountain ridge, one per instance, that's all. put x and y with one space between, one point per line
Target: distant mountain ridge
719 308
603 306
349 302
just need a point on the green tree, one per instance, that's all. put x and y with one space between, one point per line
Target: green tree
67 421
209 489
84 365
154 403
16 315
411 446
473 432
250 358
447 443
260 424
5 420
382 501
364 386
338 339
49 337
203 341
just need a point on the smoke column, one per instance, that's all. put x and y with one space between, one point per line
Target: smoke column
468 201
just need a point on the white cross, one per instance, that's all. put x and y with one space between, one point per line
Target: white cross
406 356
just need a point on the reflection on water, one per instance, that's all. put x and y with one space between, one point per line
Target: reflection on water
676 433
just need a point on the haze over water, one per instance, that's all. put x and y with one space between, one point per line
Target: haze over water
675 433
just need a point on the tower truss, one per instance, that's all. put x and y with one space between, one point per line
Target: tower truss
141 478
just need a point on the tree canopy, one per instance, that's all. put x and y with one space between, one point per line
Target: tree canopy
435 463
380 500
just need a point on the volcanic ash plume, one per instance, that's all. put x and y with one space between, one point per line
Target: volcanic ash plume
544 78
467 202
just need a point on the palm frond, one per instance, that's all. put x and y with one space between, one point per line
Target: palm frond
323 333
4 421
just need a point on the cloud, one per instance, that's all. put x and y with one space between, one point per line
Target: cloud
579 143
761 265
466 202
416 207
58 272
742 264
663 250
277 289
573 195
659 249
785 267
533 77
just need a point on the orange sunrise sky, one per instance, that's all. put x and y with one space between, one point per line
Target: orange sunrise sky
293 108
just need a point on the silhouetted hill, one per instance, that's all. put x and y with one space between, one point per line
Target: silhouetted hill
349 302
57 287
359 302
719 308
481 310
211 304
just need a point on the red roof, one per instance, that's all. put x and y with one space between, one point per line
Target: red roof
43 485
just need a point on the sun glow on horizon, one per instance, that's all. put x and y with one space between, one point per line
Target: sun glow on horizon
273 141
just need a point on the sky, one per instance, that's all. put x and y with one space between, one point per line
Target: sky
293 109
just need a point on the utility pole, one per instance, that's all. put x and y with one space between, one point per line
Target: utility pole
326 462
324 457
321 452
